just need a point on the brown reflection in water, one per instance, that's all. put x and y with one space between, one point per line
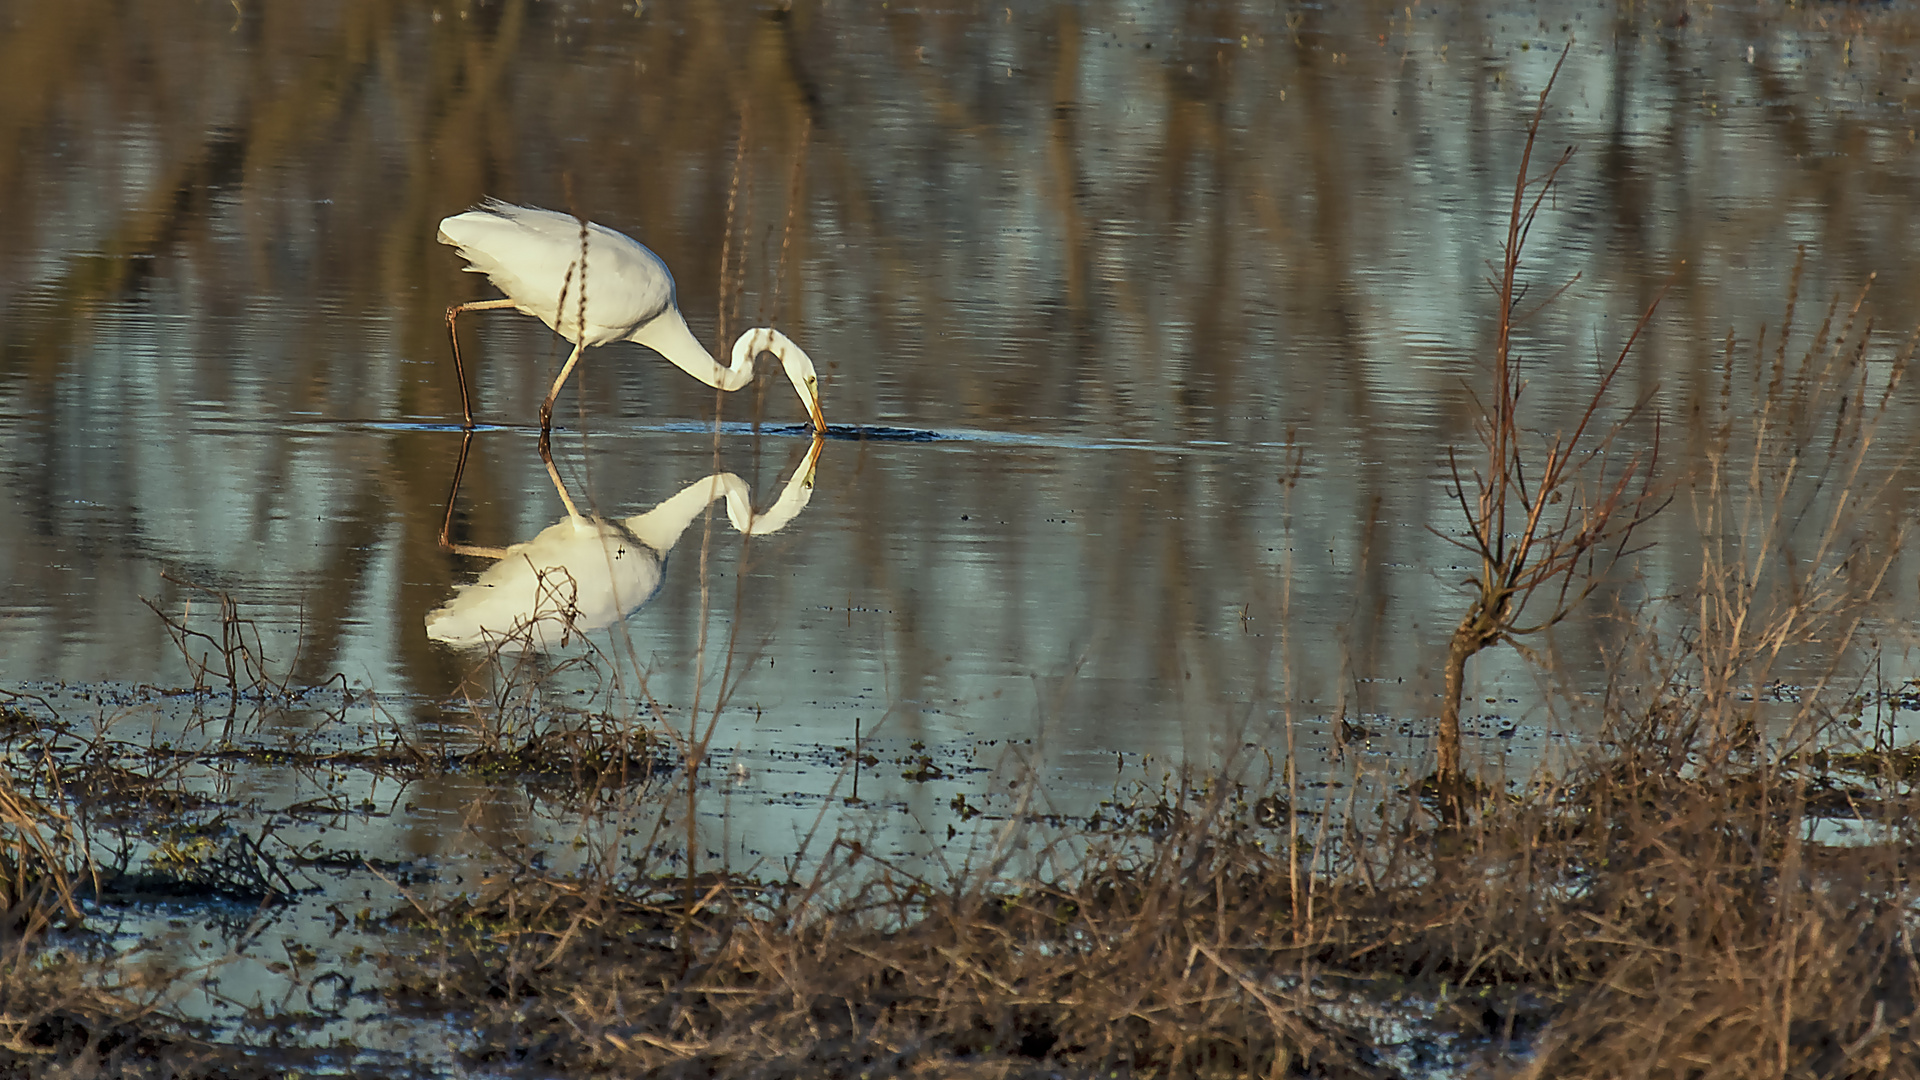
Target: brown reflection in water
1189 224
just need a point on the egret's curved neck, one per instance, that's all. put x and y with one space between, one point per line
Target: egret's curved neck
660 527
668 335
793 358
751 343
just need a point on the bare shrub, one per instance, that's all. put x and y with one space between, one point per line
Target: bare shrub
1548 523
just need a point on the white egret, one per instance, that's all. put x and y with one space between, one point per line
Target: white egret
623 293
584 572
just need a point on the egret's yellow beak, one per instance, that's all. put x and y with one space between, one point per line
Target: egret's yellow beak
813 406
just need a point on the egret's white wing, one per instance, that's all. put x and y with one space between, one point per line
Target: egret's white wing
532 255
573 578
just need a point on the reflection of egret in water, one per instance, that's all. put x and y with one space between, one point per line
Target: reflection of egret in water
587 572
540 257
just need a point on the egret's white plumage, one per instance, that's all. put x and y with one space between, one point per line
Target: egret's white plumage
578 575
624 293
584 573
533 255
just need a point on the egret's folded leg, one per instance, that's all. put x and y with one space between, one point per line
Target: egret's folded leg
459 369
459 470
478 551
546 410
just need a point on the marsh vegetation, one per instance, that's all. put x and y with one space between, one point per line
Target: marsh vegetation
1274 603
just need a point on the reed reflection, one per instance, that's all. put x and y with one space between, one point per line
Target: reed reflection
585 572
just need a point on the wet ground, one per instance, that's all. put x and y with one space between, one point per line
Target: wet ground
1143 332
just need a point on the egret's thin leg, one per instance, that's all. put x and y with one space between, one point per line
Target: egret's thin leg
546 410
446 523
459 470
546 455
459 369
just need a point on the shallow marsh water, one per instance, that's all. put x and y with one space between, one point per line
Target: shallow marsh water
1145 330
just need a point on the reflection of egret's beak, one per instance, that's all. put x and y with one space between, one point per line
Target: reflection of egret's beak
812 463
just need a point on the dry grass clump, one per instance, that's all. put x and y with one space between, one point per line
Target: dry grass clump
1148 959
36 846
571 762
48 1012
1665 919
55 1022
1643 915
1677 900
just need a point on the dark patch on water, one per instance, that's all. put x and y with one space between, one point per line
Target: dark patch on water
866 433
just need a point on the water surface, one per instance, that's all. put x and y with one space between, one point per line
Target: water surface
1160 321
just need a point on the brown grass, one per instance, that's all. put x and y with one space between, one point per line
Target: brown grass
1670 902
1676 900
1633 917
